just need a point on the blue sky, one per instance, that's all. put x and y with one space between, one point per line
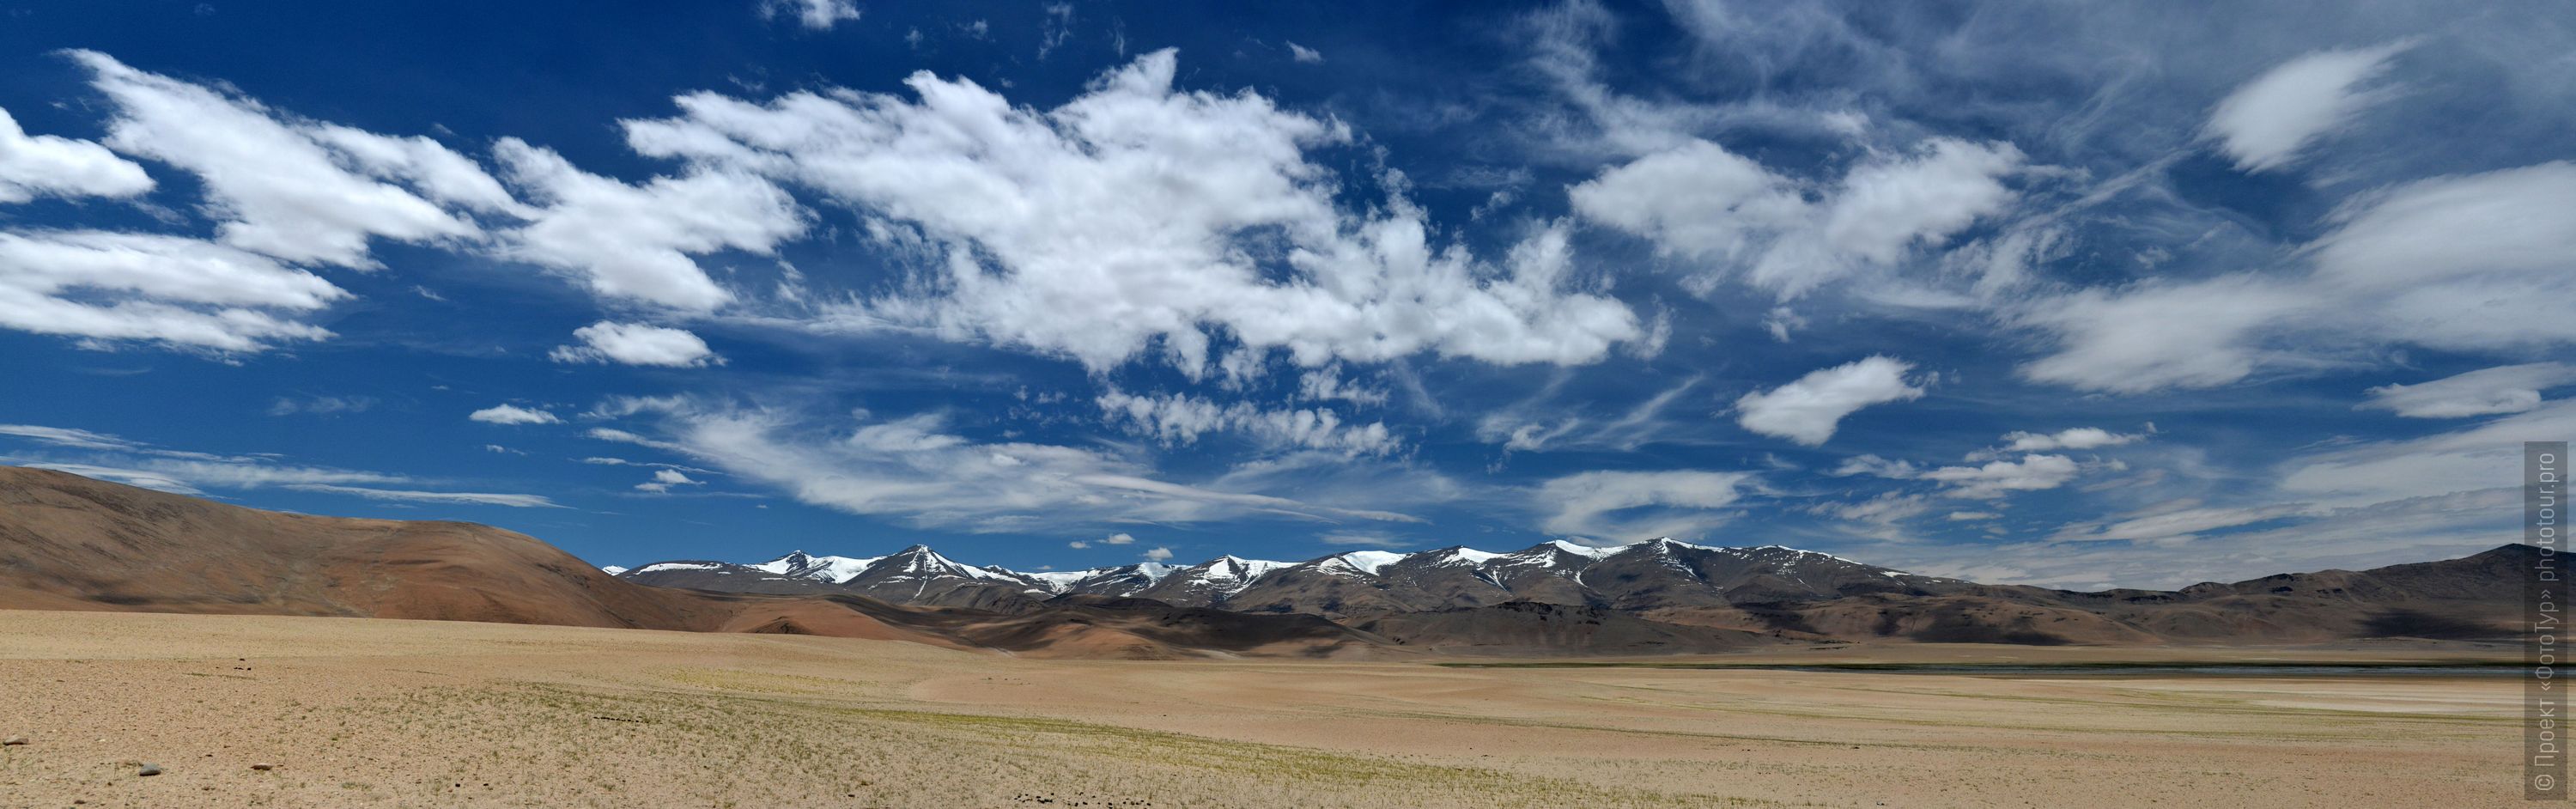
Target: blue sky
2068 294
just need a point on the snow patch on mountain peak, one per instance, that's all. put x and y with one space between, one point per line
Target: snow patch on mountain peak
1364 562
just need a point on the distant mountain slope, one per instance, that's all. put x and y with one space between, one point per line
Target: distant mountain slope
1459 597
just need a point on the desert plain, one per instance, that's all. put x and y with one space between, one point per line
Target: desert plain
394 713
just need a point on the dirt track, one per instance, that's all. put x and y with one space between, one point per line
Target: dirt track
361 712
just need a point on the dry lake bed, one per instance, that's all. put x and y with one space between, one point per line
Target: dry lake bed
363 712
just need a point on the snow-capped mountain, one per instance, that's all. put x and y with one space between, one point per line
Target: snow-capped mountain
1653 575
834 569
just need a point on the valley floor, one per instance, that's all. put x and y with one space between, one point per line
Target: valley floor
358 712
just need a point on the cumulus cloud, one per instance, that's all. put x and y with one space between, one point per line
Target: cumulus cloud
918 470
2264 124
2503 389
1702 202
815 15
1808 410
275 185
1139 216
637 344
1158 555
1176 419
1326 383
634 242
161 289
1619 507
1118 539
52 166
514 414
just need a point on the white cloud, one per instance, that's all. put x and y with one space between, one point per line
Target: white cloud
1998 478
162 289
136 463
1884 509
1326 383
1158 555
637 344
1702 202
2180 521
2460 262
2078 438
1632 506
915 469
1993 479
413 496
664 479
1118 539
513 414
2485 456
815 15
1875 466
276 186
1178 419
2158 335
2264 124
1362 539
68 437
2490 391
634 242
2357 538
321 405
1137 216
1078 545
52 166
1808 410
1305 55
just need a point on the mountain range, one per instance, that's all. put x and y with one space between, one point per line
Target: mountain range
1656 575
69 542
1462 597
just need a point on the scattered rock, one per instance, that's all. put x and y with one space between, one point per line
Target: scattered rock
13 741
148 770
263 766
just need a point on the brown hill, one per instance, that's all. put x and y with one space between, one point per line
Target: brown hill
72 543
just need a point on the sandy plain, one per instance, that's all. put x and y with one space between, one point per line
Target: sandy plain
364 712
